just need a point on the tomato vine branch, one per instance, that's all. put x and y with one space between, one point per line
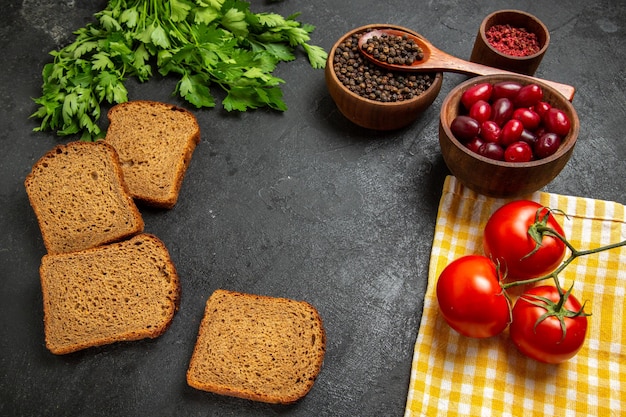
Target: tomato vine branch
575 253
537 231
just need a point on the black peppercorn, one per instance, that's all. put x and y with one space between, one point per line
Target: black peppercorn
394 49
368 80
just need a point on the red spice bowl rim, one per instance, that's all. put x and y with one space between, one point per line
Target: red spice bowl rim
483 29
566 145
437 79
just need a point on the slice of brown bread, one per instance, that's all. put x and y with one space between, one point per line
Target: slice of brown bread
257 347
123 291
79 196
155 142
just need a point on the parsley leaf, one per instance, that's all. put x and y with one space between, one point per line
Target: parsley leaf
205 43
179 10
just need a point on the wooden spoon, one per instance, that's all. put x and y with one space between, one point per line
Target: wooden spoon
437 60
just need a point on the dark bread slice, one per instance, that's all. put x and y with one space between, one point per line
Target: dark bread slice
79 196
155 142
123 291
256 347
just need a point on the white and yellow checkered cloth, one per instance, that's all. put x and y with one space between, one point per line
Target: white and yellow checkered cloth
457 376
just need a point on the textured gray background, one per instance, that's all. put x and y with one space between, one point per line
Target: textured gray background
301 205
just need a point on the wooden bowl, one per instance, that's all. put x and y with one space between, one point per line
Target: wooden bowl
374 114
498 178
484 53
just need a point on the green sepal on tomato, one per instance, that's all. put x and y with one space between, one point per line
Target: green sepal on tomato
548 327
471 299
517 236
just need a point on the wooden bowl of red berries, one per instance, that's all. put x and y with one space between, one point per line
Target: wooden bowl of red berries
506 135
512 40
371 96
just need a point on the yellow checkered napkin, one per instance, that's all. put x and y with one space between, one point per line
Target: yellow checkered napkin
457 376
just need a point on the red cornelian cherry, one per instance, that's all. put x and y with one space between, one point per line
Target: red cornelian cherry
529 118
518 152
510 122
511 132
477 92
546 145
480 111
556 121
465 128
505 89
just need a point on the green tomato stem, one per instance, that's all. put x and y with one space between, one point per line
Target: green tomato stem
537 231
575 253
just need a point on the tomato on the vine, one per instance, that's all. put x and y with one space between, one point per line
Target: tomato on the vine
551 338
471 299
523 255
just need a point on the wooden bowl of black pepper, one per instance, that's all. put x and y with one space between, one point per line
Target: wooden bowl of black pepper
373 97
512 40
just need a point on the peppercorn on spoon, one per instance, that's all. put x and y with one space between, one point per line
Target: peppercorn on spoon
436 60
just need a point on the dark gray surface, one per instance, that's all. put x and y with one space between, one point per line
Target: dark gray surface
301 205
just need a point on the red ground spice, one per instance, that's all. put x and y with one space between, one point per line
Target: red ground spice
512 41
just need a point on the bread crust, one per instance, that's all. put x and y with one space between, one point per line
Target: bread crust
124 291
256 347
73 202
155 142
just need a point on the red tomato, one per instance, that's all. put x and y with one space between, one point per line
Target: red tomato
544 340
506 240
471 299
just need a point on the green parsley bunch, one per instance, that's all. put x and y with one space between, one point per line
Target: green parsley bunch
201 42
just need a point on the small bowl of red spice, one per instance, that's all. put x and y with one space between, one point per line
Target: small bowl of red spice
512 40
